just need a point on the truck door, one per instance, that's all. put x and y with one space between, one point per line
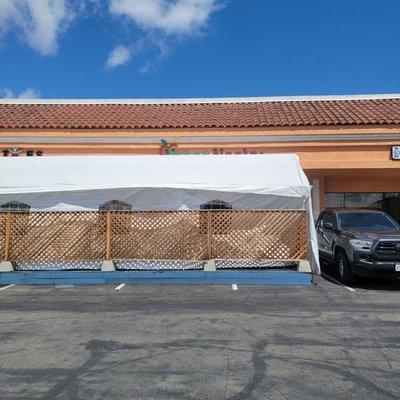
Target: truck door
326 231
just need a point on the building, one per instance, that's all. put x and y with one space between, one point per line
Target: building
349 146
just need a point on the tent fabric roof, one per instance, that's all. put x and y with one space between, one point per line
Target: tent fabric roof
258 174
238 114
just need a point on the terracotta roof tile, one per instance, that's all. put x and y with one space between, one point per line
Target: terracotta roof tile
246 114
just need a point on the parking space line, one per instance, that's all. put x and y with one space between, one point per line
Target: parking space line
119 287
350 289
8 286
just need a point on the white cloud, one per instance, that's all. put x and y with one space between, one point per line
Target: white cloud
29 94
164 21
120 55
25 94
179 17
40 21
145 68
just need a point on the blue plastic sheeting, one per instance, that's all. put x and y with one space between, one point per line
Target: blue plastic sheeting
156 277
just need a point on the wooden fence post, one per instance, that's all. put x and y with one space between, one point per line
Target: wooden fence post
209 234
7 240
108 237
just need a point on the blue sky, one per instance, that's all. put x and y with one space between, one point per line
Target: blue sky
198 48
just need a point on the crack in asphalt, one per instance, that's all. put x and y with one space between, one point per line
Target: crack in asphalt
259 366
69 385
99 349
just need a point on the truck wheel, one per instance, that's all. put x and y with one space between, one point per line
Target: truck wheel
344 268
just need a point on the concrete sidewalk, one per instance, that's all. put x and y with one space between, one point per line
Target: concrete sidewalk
200 342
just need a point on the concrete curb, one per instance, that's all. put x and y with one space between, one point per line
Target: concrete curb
278 277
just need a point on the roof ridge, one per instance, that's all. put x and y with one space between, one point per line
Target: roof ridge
211 100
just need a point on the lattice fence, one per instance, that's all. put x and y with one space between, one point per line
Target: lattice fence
154 235
157 235
61 236
271 235
3 219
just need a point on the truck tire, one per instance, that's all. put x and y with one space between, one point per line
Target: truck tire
346 275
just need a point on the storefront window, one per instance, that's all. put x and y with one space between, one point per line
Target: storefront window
373 201
334 200
388 202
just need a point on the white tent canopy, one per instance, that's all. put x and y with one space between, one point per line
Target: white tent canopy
157 182
76 182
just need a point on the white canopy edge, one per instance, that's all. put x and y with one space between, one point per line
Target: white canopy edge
278 174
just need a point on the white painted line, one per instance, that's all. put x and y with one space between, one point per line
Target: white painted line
6 287
120 286
234 286
350 289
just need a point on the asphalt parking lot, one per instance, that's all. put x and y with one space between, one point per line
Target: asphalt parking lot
201 342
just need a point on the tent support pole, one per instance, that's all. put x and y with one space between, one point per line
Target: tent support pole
108 264
210 264
6 265
209 233
7 237
108 238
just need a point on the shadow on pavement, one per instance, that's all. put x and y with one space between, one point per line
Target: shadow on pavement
389 284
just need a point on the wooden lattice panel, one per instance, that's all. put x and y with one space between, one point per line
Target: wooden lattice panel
58 236
154 235
272 235
3 217
157 235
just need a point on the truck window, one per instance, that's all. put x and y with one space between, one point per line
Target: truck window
367 221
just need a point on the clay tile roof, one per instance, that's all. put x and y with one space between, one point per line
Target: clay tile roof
223 113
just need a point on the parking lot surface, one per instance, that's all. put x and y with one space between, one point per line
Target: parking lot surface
200 342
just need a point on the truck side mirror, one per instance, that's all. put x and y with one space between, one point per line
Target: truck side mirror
329 226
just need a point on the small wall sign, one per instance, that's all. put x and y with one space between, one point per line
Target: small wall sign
18 151
396 153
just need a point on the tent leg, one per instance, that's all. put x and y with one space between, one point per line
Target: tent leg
210 266
6 266
107 266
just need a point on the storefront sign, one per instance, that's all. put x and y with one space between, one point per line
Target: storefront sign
396 153
18 151
171 148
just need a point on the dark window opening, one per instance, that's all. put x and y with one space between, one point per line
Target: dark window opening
115 205
216 205
15 206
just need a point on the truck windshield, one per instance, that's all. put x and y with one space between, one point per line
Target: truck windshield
367 221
